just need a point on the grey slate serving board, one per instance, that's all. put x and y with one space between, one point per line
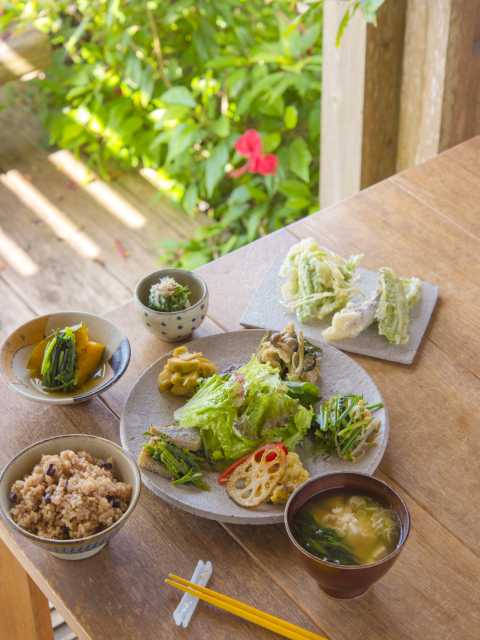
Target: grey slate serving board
265 311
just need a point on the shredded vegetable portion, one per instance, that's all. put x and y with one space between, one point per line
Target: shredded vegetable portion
346 426
318 283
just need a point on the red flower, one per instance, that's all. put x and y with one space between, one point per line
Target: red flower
264 165
250 145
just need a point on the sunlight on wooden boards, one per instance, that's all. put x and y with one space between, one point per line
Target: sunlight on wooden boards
16 256
13 61
100 191
49 213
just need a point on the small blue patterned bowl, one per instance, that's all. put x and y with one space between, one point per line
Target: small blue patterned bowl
175 325
124 468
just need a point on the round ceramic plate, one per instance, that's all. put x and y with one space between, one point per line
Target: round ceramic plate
146 405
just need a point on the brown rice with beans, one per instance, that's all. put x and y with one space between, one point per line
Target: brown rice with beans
68 496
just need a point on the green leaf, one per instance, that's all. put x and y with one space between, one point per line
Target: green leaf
233 213
311 36
193 259
294 188
344 22
229 245
147 85
179 95
297 203
215 167
182 137
271 141
190 199
290 117
130 126
221 127
369 9
299 159
236 82
254 220
314 123
239 195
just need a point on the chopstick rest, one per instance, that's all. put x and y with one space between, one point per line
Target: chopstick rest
187 605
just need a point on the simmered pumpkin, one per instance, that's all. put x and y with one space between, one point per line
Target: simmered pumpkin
34 364
81 338
88 361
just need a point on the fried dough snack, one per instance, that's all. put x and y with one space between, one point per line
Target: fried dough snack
183 370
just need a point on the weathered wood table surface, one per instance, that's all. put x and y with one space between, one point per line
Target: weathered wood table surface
426 222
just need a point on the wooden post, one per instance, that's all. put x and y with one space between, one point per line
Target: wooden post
441 82
24 610
360 99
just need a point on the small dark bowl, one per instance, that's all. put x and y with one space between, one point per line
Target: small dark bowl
342 581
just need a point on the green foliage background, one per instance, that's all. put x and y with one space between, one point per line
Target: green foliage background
172 85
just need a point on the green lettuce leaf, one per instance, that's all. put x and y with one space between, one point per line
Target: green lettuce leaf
237 413
213 410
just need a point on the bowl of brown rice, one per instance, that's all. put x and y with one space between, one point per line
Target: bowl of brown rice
70 494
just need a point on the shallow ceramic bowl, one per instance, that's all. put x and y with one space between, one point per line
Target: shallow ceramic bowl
342 581
172 326
124 468
16 350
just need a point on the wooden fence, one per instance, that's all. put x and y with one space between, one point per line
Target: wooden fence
398 94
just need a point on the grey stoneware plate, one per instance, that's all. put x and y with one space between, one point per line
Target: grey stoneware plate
265 310
16 350
146 405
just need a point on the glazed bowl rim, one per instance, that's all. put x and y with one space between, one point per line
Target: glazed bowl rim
405 529
163 314
136 489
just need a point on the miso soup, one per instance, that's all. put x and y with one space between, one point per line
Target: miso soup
347 528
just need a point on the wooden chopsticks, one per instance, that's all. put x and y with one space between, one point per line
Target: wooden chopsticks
242 610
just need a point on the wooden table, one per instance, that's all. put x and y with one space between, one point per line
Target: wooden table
425 221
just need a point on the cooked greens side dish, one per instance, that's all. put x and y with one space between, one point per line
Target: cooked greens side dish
182 465
168 295
346 426
59 360
66 360
319 282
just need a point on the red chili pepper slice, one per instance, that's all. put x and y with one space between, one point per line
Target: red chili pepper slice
224 476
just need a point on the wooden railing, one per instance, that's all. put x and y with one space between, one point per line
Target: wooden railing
396 95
